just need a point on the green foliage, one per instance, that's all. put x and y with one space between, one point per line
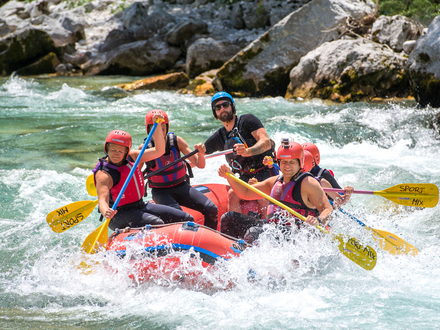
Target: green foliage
423 10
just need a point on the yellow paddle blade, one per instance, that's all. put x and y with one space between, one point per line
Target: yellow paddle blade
412 194
97 239
392 243
70 215
90 185
365 257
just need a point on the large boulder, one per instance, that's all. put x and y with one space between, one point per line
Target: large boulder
206 54
349 70
262 68
138 58
424 66
23 48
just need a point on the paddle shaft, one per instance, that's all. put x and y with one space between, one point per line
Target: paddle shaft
149 175
220 153
379 193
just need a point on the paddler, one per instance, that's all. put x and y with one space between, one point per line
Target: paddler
171 187
247 135
298 190
110 175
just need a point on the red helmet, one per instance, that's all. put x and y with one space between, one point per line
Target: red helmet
309 162
291 151
313 149
149 118
118 137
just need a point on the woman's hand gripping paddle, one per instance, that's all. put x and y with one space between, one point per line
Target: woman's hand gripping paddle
408 194
365 257
99 236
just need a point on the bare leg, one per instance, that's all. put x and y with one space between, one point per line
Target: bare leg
262 207
233 202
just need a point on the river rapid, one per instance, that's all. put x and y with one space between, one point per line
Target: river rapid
52 132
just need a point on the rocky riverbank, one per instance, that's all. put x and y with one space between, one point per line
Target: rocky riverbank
330 49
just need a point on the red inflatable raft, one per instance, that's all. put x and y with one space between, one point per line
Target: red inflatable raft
173 251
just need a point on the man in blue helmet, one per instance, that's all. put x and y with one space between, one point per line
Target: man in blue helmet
247 135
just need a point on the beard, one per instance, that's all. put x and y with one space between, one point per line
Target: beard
226 117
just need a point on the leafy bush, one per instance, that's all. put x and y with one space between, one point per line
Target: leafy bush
421 10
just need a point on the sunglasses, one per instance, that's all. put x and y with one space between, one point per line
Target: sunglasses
217 107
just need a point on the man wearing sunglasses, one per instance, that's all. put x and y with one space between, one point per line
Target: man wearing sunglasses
247 135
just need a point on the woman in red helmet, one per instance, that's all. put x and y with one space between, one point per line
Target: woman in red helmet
298 190
318 171
171 187
111 173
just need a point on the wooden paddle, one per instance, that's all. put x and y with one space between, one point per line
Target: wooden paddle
389 242
365 257
70 215
408 194
99 236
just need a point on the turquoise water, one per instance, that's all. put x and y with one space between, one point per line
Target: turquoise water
51 134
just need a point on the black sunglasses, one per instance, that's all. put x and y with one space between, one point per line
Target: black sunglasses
217 107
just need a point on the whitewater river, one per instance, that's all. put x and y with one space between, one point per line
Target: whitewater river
51 133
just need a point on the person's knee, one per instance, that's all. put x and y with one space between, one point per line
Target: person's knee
211 210
226 222
151 220
232 196
188 217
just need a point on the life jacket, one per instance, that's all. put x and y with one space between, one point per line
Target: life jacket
290 195
247 165
135 188
319 172
172 176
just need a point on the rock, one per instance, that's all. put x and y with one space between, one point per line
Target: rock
157 21
138 58
184 31
408 46
206 54
394 31
172 81
349 70
47 64
424 66
23 48
201 85
262 68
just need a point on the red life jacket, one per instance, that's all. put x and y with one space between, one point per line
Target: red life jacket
135 188
286 194
173 176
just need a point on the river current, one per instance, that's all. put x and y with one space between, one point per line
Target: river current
52 132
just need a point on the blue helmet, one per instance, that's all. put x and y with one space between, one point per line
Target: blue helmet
222 96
